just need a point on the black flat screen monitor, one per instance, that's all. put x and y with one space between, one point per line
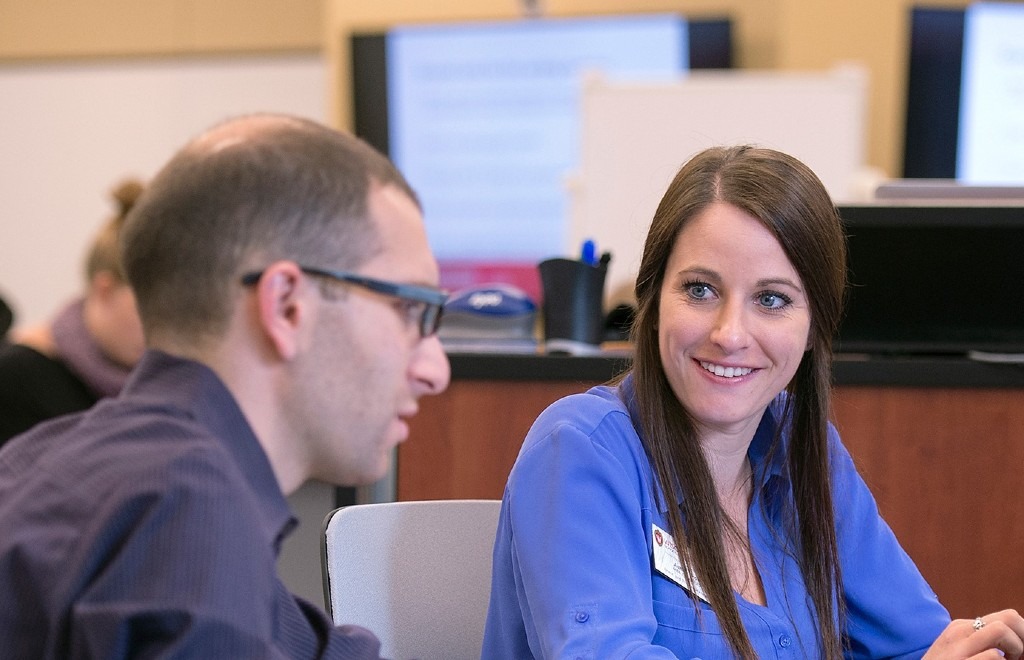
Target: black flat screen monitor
934 280
933 93
965 94
483 118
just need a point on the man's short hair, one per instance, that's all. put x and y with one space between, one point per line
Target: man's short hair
248 192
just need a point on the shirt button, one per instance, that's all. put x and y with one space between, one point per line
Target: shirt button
785 641
582 617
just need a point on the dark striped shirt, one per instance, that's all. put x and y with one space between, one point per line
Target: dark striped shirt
150 526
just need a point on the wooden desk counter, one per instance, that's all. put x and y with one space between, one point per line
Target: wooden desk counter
940 441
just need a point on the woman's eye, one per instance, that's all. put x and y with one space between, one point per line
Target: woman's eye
697 290
773 300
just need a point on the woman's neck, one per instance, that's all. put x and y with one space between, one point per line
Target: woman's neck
729 466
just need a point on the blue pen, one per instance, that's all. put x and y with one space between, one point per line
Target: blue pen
588 253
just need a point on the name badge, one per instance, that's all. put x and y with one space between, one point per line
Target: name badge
666 562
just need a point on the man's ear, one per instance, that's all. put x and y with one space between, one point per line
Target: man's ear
281 307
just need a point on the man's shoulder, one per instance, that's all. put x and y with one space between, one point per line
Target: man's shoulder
113 453
144 433
117 443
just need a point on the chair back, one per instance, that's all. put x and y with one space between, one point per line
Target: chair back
417 574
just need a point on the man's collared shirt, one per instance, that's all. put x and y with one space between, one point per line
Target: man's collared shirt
150 524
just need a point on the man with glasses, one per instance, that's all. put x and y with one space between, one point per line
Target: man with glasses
290 306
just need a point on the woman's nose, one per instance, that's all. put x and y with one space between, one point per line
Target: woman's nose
730 330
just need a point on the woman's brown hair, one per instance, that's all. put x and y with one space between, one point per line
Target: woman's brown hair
790 201
105 251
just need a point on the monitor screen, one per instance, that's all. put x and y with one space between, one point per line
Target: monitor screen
934 279
965 94
933 93
483 119
990 145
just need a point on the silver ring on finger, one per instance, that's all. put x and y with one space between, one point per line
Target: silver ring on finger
978 624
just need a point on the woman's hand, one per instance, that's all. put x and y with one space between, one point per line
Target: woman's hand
994 636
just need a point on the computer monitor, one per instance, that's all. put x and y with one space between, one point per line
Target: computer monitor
965 94
934 279
933 93
990 144
483 119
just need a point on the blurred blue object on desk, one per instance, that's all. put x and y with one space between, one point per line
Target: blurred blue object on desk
489 318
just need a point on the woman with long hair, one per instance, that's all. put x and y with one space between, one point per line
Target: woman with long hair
703 505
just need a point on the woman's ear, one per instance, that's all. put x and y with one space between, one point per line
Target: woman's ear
102 284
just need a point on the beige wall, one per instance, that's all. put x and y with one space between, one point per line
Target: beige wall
819 33
69 28
772 34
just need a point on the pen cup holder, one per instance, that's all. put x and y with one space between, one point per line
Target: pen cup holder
572 307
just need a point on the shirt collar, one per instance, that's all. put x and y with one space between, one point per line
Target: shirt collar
178 386
769 465
766 461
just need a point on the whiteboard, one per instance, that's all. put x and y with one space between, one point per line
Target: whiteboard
70 130
635 136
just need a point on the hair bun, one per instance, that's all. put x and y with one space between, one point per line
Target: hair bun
125 194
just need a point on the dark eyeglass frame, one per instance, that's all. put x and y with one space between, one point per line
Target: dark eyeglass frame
432 299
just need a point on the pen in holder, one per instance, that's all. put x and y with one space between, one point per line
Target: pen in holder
573 304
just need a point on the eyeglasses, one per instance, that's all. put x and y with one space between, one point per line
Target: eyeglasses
425 302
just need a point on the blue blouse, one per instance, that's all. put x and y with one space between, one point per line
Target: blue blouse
574 575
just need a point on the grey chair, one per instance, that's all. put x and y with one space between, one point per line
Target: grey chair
417 574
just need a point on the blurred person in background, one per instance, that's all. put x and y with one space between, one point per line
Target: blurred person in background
6 320
86 352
